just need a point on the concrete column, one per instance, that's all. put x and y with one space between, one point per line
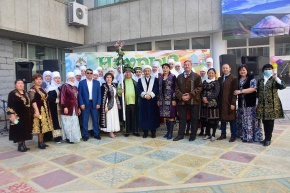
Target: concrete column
218 47
101 48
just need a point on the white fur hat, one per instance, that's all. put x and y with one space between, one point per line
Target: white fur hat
70 75
204 69
99 68
95 72
110 69
170 61
77 72
145 67
83 68
209 60
156 64
178 63
55 74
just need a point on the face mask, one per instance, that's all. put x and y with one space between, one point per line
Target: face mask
268 73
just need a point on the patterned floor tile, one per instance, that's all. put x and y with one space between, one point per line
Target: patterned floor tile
143 182
19 161
190 161
278 131
206 152
94 153
87 167
67 159
18 188
278 152
249 148
275 163
225 168
224 144
116 145
138 164
36 169
155 143
7 177
115 157
162 155
53 179
77 185
112 177
180 147
204 177
78 146
238 157
6 148
171 173
10 154
256 171
50 153
137 150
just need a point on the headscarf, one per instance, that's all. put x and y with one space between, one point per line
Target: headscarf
70 75
53 84
204 69
145 67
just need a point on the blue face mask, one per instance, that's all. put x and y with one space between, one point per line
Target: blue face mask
268 73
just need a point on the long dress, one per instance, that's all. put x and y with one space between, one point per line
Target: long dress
53 99
19 104
166 96
70 122
109 120
248 126
43 125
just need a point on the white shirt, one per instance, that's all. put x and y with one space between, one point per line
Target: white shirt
90 88
278 80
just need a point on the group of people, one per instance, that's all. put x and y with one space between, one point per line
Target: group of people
90 101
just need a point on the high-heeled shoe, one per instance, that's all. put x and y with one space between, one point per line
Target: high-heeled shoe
41 145
21 148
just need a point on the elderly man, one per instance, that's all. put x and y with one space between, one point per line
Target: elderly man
171 64
178 67
148 89
187 90
131 102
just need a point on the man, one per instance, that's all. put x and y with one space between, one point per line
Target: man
138 73
78 77
178 68
209 63
155 69
187 90
227 101
83 72
171 64
148 89
89 101
131 102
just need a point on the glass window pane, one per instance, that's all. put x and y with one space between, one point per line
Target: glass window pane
181 44
201 43
163 45
282 45
111 49
236 43
19 50
49 53
144 46
258 41
239 53
125 48
262 51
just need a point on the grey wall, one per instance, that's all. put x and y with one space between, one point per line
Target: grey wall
152 18
41 18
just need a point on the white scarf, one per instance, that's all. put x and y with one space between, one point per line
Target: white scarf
210 80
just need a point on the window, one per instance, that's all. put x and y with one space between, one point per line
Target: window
260 51
19 50
144 46
41 53
181 44
239 52
99 3
125 48
258 41
201 43
163 45
282 45
237 43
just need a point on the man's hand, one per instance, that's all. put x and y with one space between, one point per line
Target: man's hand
185 97
98 106
147 96
65 110
204 99
173 103
274 75
121 90
233 107
83 107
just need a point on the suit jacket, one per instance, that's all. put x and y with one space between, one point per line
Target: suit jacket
83 94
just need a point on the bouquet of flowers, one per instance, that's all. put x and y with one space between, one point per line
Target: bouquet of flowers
118 45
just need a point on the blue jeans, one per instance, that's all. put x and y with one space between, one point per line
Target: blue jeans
233 126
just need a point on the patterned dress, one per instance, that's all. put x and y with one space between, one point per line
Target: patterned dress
248 126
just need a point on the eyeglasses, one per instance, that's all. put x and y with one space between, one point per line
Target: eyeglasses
89 73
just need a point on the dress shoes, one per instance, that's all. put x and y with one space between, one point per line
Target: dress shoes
136 134
221 137
153 135
98 137
192 138
127 135
21 147
262 142
267 143
85 138
232 139
41 145
178 138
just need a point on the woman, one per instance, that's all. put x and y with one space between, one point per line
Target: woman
41 119
70 110
46 77
20 116
166 99
109 118
247 123
53 99
269 105
209 113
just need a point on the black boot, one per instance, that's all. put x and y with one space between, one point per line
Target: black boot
25 146
153 133
21 148
166 135
170 129
145 135
41 145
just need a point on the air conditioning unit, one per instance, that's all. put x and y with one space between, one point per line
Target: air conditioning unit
77 14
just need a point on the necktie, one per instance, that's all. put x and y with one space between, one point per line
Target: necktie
186 75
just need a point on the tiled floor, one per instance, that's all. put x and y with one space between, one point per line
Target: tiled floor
131 164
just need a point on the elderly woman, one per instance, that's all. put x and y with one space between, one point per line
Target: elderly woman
247 123
109 118
20 116
42 119
166 99
46 78
269 105
53 99
209 113
70 110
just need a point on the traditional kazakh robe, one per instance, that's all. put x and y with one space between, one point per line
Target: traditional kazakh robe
53 99
148 109
19 105
43 125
